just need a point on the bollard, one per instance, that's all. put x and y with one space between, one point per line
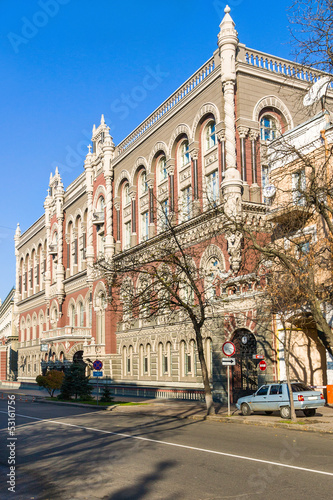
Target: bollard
20 398
26 399
2 396
33 398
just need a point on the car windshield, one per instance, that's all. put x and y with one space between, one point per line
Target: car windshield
299 387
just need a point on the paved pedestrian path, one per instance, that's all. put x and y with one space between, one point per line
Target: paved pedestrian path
321 422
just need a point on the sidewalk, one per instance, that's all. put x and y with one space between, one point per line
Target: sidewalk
322 422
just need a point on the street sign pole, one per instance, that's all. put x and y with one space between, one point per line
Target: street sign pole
97 390
228 368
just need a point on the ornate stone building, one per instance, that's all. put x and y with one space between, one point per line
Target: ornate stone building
205 143
8 339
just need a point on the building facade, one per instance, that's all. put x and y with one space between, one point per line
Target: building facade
205 144
8 339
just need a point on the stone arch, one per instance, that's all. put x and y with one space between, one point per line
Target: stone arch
124 176
272 101
140 162
100 191
159 146
212 251
70 220
74 349
182 129
206 109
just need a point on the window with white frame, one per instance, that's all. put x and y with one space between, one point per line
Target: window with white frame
126 195
213 270
212 187
127 235
144 226
162 169
143 182
186 197
163 216
210 135
298 187
184 154
268 128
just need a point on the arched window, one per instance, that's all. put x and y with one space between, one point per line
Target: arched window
212 272
81 313
101 204
210 135
143 182
184 154
146 361
268 128
162 169
72 316
126 198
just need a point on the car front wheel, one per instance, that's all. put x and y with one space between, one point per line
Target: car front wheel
245 409
310 412
285 412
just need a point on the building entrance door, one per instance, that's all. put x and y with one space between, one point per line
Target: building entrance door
244 373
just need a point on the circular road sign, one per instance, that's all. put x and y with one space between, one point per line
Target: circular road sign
98 365
262 365
228 349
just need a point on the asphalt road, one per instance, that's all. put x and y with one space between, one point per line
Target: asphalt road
66 453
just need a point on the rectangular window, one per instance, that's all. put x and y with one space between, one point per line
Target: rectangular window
145 365
128 366
188 363
186 203
144 226
212 184
298 187
164 215
165 364
127 242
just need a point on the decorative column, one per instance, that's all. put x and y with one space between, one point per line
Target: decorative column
108 149
194 153
243 131
151 222
134 235
19 278
48 201
221 139
60 274
116 203
254 189
90 244
232 183
171 174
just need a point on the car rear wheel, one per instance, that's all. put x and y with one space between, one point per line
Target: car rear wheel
285 412
310 412
268 412
245 409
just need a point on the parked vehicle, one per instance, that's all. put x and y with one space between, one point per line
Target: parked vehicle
275 397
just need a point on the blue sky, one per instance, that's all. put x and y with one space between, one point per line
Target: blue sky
65 62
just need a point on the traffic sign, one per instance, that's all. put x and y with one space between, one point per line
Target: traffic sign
262 365
228 349
228 361
258 356
98 374
98 365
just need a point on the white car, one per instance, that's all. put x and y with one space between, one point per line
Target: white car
275 397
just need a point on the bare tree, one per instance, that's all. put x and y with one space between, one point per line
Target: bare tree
311 27
297 239
165 280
